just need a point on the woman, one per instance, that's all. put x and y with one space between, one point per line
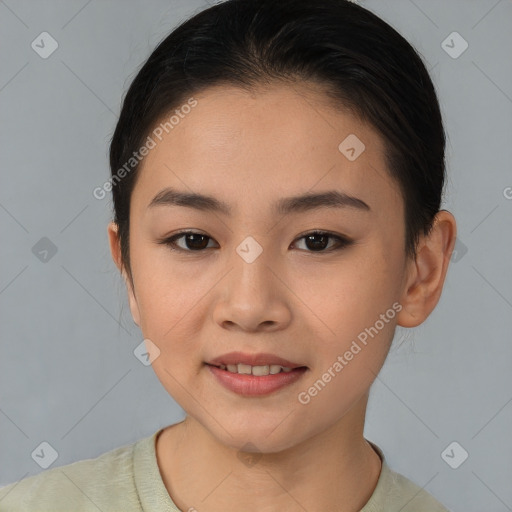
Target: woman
277 175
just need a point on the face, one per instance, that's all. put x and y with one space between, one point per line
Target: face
254 278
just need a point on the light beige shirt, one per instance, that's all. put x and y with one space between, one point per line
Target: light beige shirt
127 479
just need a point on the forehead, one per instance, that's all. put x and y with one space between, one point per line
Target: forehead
253 147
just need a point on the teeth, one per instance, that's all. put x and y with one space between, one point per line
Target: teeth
258 371
244 368
274 368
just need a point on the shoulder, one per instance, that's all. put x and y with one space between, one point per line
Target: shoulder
394 492
105 483
409 496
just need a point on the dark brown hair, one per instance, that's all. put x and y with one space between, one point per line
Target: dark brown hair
364 64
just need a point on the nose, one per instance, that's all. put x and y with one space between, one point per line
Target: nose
253 296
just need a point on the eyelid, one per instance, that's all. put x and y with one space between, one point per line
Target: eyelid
170 241
342 240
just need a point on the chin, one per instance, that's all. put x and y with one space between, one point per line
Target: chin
256 438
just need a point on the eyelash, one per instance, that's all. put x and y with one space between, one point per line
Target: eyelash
342 242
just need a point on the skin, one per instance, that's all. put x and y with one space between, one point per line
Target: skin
249 150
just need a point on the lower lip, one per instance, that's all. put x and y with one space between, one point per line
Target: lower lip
250 385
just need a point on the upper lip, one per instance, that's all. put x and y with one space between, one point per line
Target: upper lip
252 359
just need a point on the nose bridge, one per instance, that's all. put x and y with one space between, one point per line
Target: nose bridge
251 294
251 269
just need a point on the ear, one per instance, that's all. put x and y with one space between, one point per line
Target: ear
427 272
115 250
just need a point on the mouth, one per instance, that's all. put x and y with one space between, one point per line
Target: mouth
254 364
254 375
257 370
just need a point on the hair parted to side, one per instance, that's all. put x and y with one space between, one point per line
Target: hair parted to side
363 64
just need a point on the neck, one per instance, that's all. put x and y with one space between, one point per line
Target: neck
334 470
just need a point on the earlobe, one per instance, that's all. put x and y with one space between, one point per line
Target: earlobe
115 249
427 272
132 301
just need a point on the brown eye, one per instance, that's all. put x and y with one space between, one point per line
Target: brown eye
318 241
192 241
315 241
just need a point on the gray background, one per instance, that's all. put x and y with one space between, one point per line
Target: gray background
68 375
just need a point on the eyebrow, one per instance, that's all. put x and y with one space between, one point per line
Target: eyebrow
285 206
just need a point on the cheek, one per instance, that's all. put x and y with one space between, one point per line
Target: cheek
358 312
169 309
168 302
357 306
165 291
353 294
